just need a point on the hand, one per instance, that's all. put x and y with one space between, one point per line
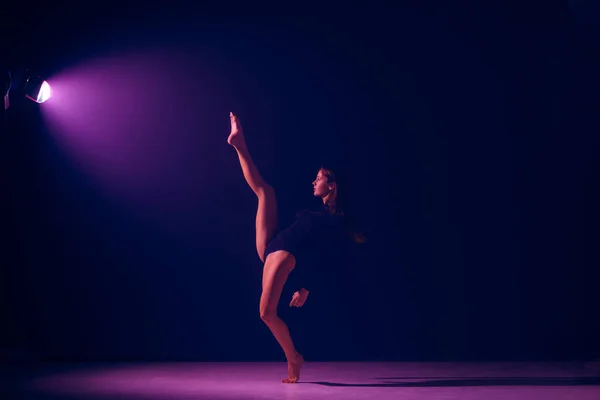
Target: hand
299 298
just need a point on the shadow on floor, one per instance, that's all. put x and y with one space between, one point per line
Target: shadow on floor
576 381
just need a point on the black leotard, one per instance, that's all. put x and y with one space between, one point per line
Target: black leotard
309 229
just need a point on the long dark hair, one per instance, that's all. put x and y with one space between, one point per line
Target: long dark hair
336 205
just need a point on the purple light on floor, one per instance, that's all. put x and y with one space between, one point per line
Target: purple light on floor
172 381
332 381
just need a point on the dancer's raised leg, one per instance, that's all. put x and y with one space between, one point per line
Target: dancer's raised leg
266 213
280 263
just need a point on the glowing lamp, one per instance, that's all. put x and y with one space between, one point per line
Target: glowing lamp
37 89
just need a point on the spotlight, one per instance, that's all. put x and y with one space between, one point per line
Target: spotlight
37 89
23 83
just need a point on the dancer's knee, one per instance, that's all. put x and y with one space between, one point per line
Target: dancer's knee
268 316
265 191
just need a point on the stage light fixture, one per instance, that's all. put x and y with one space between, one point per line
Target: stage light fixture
37 89
24 83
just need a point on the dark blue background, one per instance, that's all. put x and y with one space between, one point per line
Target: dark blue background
469 134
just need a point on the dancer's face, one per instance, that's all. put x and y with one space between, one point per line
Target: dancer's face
321 187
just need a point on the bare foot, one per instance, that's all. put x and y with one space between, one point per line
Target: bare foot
236 137
294 370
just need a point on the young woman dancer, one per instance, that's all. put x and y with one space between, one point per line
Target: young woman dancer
277 248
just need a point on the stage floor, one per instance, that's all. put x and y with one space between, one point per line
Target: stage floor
319 380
